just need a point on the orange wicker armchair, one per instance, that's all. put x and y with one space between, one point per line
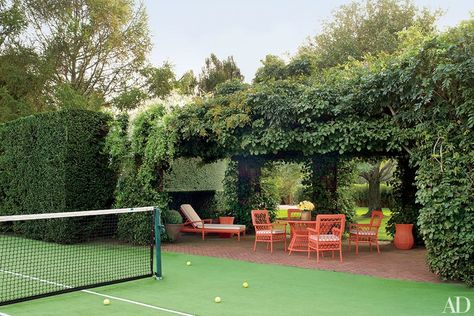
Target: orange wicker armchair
327 236
368 233
267 232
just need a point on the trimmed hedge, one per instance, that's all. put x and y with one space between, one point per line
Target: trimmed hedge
55 162
192 174
361 195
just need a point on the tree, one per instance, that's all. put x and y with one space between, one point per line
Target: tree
12 21
299 68
187 83
95 46
374 174
18 65
160 81
217 71
369 27
129 99
273 68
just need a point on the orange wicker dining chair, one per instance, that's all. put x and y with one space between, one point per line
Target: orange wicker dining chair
327 236
267 232
367 233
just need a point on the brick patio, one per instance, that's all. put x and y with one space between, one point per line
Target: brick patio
390 263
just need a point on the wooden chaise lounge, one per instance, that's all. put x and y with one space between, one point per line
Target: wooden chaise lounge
194 224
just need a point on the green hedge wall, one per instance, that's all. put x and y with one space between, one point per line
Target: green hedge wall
55 162
361 194
192 174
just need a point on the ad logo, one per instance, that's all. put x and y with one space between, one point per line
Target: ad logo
458 305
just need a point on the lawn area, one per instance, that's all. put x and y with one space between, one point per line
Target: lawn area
273 290
359 218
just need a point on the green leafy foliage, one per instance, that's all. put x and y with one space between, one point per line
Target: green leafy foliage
366 27
54 162
172 217
129 99
192 174
96 46
17 99
187 83
285 180
405 210
417 101
217 71
361 195
140 152
160 80
12 21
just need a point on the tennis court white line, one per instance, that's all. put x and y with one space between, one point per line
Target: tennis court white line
96 293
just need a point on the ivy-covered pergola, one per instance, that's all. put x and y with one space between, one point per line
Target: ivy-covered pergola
291 121
416 105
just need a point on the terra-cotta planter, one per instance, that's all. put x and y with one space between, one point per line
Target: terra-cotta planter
305 215
404 236
226 220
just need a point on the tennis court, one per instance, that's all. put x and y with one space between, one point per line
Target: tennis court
273 290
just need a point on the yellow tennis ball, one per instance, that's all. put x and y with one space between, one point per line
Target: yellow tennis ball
188 263
106 301
245 284
217 299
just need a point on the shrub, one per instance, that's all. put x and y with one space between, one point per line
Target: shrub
54 162
361 194
172 217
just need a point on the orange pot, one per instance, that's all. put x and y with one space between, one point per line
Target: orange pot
404 236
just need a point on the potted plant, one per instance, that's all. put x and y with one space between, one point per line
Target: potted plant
173 224
306 207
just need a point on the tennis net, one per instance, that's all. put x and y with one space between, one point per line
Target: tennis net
53 253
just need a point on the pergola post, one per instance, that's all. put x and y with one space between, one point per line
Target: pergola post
323 180
248 183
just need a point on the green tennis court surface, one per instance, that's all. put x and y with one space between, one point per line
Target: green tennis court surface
273 290
56 266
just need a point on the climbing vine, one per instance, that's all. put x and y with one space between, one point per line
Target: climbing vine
418 102
141 150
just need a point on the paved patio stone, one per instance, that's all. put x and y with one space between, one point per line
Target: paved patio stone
390 263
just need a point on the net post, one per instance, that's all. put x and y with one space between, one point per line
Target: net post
157 220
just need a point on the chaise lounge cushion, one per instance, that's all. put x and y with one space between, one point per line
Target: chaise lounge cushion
192 216
222 226
190 213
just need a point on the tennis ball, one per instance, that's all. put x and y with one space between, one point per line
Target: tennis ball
245 284
217 299
106 301
188 263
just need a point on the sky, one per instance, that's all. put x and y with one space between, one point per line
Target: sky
185 32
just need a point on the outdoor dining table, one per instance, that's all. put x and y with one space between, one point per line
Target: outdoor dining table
299 234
